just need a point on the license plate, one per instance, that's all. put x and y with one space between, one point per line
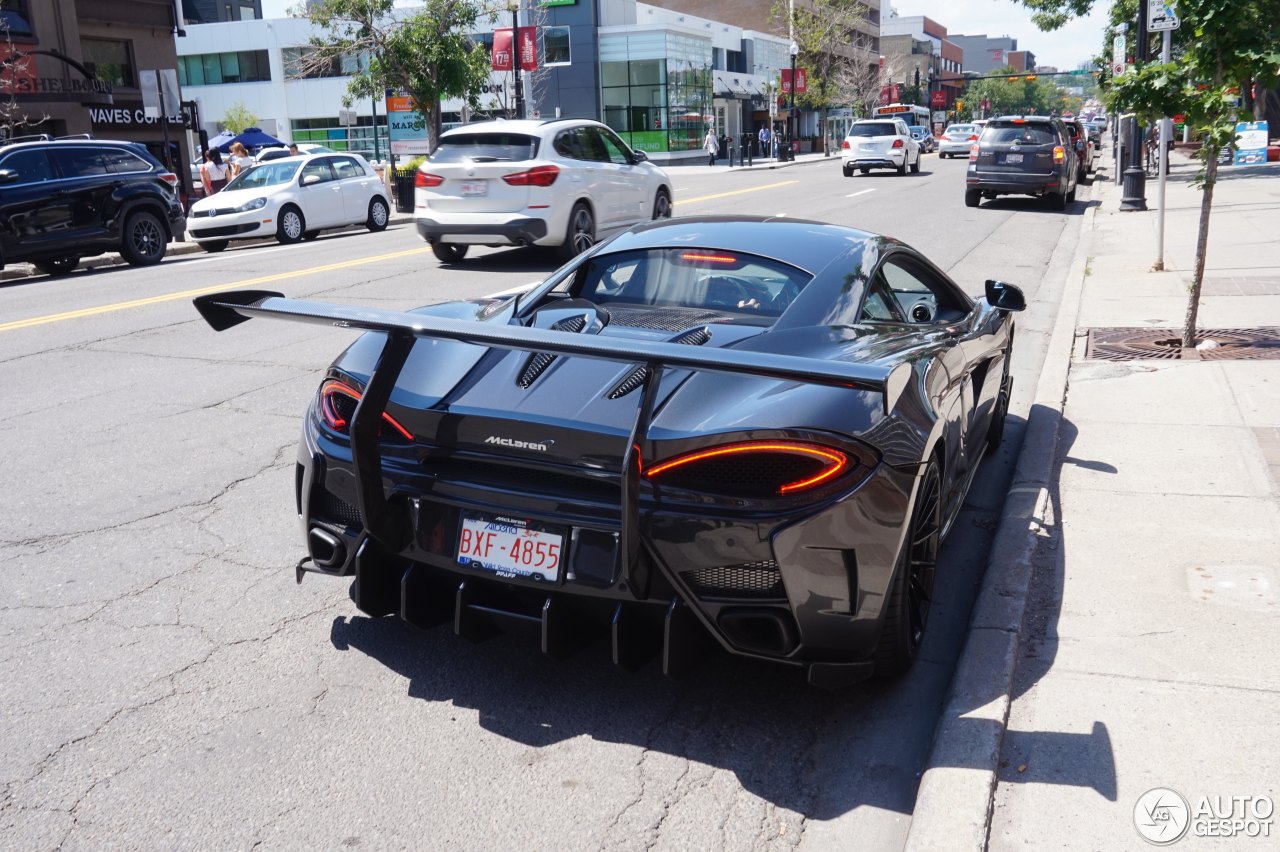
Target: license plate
475 187
510 547
868 146
1013 158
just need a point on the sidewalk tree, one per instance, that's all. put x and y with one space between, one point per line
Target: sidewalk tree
238 118
1221 47
426 51
835 52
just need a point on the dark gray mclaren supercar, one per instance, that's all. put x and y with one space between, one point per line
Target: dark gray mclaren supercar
755 431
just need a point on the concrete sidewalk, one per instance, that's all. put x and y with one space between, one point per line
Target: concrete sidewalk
1145 656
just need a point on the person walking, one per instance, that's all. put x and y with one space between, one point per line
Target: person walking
213 172
764 140
711 145
240 159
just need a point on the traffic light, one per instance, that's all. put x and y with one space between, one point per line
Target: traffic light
959 104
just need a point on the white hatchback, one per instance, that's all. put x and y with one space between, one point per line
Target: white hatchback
291 199
557 182
880 143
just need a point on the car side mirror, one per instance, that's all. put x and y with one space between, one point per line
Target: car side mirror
639 156
310 180
1005 297
8 176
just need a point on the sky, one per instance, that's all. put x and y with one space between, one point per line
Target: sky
1065 48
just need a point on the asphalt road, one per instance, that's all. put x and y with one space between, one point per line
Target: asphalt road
164 684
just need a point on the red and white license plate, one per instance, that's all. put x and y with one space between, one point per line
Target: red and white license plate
510 547
475 187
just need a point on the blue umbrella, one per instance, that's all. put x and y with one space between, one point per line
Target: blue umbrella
251 138
222 141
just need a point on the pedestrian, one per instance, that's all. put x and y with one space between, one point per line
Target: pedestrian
293 149
240 159
764 140
711 145
213 172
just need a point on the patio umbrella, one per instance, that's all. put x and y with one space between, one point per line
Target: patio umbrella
250 137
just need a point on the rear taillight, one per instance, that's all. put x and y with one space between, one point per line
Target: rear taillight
427 179
536 176
897 143
972 139
169 178
757 469
338 405
844 146
1059 154
973 153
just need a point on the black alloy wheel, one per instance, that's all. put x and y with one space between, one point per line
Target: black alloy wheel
144 239
215 246
449 252
662 205
58 266
581 234
907 611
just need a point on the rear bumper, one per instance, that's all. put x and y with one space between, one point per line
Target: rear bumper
515 231
890 162
954 147
1014 183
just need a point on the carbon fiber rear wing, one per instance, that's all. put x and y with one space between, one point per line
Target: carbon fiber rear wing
225 310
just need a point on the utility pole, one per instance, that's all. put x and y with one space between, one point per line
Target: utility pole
515 58
1169 24
1135 179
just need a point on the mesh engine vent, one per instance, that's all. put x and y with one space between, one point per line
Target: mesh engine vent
539 361
330 507
662 319
692 337
754 580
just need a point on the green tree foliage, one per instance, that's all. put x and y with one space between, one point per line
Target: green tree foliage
426 51
1011 93
238 117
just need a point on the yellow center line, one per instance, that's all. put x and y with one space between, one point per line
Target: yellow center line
735 192
188 294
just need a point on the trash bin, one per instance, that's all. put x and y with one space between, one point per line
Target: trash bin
404 189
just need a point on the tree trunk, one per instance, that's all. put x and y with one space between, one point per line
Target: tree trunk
1202 245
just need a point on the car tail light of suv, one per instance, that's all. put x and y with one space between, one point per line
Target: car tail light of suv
1059 154
844 145
897 143
536 176
427 179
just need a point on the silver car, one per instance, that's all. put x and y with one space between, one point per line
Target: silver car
957 140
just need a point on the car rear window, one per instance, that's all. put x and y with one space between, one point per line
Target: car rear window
960 129
485 147
1027 134
875 128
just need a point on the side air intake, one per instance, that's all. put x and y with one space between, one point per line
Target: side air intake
539 361
692 337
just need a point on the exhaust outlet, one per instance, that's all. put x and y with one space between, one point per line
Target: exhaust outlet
326 549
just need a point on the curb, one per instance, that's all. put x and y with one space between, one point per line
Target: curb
954 804
25 270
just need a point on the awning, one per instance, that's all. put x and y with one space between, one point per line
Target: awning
730 85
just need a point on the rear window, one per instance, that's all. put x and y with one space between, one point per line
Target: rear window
959 129
875 128
485 147
1026 134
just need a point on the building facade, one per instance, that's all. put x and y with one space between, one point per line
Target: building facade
921 43
984 54
215 11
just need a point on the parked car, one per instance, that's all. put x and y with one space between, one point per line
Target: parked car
879 143
1023 155
924 138
1083 142
268 154
957 139
63 199
704 426
292 199
564 183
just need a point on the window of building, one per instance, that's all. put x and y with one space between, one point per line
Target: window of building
109 61
209 69
300 63
15 16
656 89
555 46
357 139
247 12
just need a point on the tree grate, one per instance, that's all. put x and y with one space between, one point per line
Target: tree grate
1134 344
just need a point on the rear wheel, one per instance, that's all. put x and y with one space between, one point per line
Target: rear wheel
848 172
215 246
1056 201
379 215
292 226
1071 196
449 252
972 197
581 234
907 611
59 266
915 167
662 205
902 169
144 239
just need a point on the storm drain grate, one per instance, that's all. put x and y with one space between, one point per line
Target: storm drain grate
1133 344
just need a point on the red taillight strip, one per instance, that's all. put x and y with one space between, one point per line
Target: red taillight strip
337 422
426 179
709 258
837 461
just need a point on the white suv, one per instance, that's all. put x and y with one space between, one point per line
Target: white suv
558 182
880 143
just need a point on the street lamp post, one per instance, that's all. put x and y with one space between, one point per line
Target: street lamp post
793 126
1134 191
515 58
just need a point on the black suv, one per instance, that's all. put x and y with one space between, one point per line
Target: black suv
1023 155
61 199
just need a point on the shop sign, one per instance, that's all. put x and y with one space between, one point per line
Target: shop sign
134 116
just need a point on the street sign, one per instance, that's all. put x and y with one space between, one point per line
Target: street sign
1117 55
1161 16
347 117
1117 69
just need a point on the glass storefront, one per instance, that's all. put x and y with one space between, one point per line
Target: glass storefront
656 89
358 139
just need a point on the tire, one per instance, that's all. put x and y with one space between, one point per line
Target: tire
915 167
661 205
1056 201
311 235
907 611
972 197
144 239
449 252
379 215
1071 196
58 266
848 172
215 246
291 227
902 169
581 233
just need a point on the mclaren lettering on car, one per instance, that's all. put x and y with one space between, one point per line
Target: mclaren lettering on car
740 430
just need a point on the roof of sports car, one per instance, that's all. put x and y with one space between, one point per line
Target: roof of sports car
802 243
